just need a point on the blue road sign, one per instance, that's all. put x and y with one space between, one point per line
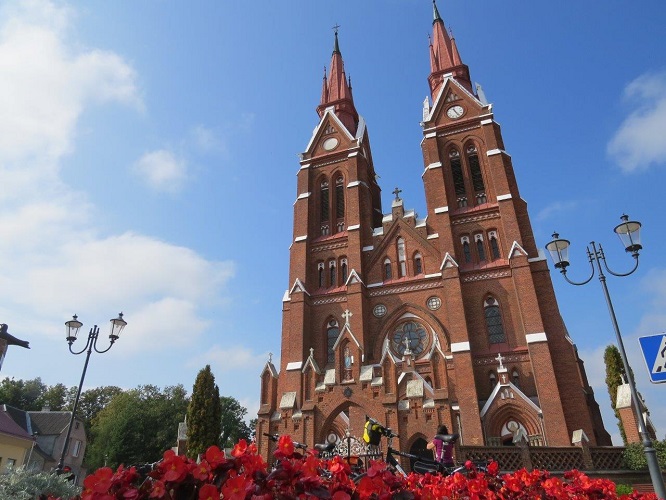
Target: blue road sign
654 353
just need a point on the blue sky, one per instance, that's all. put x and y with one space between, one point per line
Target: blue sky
148 159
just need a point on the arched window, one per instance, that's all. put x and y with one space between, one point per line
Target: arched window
515 378
332 332
418 264
339 198
458 178
494 321
480 249
323 201
343 271
475 175
320 275
494 245
387 269
402 263
332 275
466 250
492 378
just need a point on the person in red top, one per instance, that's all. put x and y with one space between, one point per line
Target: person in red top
443 451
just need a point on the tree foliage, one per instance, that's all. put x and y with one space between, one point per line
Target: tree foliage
233 422
136 426
204 416
615 376
634 455
26 395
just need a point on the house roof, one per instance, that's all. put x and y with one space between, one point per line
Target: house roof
19 416
50 422
8 426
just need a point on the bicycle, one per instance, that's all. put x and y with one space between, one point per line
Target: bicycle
421 465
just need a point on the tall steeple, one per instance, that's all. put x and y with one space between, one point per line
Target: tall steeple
336 91
444 57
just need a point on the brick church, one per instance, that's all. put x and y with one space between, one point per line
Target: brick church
446 319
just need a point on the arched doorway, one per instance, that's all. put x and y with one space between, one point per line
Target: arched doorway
419 448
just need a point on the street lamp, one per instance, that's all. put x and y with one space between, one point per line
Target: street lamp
629 233
73 327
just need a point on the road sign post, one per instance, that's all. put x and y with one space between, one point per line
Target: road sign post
654 353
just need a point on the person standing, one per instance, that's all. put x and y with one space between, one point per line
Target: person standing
443 450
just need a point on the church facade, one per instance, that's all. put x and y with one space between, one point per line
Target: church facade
446 319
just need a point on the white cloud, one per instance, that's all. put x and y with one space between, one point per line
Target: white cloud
207 140
555 208
56 260
639 142
231 359
162 171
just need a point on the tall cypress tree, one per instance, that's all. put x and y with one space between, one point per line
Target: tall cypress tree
614 378
203 414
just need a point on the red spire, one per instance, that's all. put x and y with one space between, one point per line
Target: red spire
444 57
337 92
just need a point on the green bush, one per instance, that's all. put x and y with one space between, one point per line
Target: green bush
634 455
22 484
623 489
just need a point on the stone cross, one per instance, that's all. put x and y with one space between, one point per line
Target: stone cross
396 192
500 358
347 315
270 357
311 351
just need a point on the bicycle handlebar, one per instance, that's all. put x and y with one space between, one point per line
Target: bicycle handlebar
276 437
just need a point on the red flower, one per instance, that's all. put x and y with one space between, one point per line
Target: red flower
173 467
340 495
286 445
493 468
209 492
234 488
158 490
214 456
239 449
100 481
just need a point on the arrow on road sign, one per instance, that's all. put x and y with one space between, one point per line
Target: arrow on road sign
654 353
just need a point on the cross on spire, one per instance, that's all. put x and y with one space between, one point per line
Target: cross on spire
347 315
500 358
311 351
270 357
335 28
396 192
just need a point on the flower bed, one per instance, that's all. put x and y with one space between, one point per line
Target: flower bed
245 475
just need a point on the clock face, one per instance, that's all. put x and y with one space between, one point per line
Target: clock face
455 112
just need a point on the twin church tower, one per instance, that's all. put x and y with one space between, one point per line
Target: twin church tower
446 319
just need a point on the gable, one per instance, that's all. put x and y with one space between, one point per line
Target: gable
453 95
413 241
330 136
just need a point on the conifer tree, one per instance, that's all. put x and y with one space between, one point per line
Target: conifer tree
615 377
203 414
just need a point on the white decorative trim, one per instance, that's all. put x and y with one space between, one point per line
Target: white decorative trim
432 236
486 276
503 197
305 167
354 227
294 365
455 407
368 248
431 134
286 297
389 290
298 287
536 337
303 195
353 278
486 122
497 152
542 256
433 275
448 261
441 210
378 231
300 238
437 164
517 251
353 184
375 285
350 155
460 347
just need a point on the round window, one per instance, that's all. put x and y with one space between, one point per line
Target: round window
434 303
379 310
410 334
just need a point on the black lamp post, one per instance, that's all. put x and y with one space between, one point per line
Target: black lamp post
73 327
629 233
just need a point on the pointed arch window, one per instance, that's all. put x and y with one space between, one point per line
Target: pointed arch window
324 201
494 245
332 332
339 198
480 248
492 378
494 324
321 280
467 252
458 178
515 377
402 263
387 269
343 271
332 274
475 175
418 264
